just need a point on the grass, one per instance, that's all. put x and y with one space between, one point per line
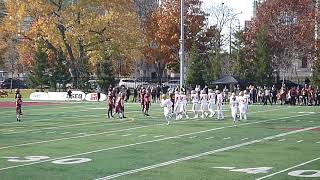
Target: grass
81 130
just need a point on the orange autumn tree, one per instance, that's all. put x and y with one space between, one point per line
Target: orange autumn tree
163 32
80 31
290 30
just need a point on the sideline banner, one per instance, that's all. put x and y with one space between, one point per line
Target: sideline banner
58 96
39 96
94 97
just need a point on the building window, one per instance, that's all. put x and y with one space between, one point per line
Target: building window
304 62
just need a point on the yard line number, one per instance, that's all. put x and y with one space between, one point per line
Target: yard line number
264 170
28 159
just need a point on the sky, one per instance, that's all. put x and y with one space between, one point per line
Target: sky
245 7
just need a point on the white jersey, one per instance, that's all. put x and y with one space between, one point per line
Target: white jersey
183 99
194 98
166 104
234 102
219 99
204 98
212 98
177 98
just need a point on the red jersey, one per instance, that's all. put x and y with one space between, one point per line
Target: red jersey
146 98
18 102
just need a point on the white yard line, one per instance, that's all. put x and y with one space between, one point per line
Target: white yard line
143 135
125 135
203 154
139 127
159 140
281 140
192 137
264 177
210 137
227 138
318 142
158 136
244 139
299 141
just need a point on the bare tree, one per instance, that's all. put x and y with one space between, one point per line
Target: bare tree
11 58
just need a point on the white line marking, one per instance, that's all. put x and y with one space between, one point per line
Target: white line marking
143 135
36 132
264 177
299 141
281 140
227 138
139 127
158 136
125 135
228 168
318 142
310 121
192 137
66 133
244 139
201 154
51 132
210 137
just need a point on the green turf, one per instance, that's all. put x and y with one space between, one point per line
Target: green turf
81 130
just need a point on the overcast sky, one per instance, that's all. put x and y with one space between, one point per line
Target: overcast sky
243 6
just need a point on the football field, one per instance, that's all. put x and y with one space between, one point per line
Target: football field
76 141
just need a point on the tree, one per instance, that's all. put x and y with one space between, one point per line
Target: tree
105 71
59 73
263 72
163 30
196 68
38 74
79 28
290 25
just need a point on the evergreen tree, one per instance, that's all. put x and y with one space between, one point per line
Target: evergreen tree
263 72
59 72
38 75
105 71
84 76
195 71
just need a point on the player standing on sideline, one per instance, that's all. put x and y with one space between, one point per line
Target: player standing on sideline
147 103
110 101
247 99
69 94
195 105
142 93
184 102
242 106
98 91
234 107
204 104
177 103
212 99
120 105
219 105
166 103
18 107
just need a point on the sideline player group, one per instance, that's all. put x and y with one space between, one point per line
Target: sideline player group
203 105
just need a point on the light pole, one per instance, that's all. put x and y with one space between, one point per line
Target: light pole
181 52
316 31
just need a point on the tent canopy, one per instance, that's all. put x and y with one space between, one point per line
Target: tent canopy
229 80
